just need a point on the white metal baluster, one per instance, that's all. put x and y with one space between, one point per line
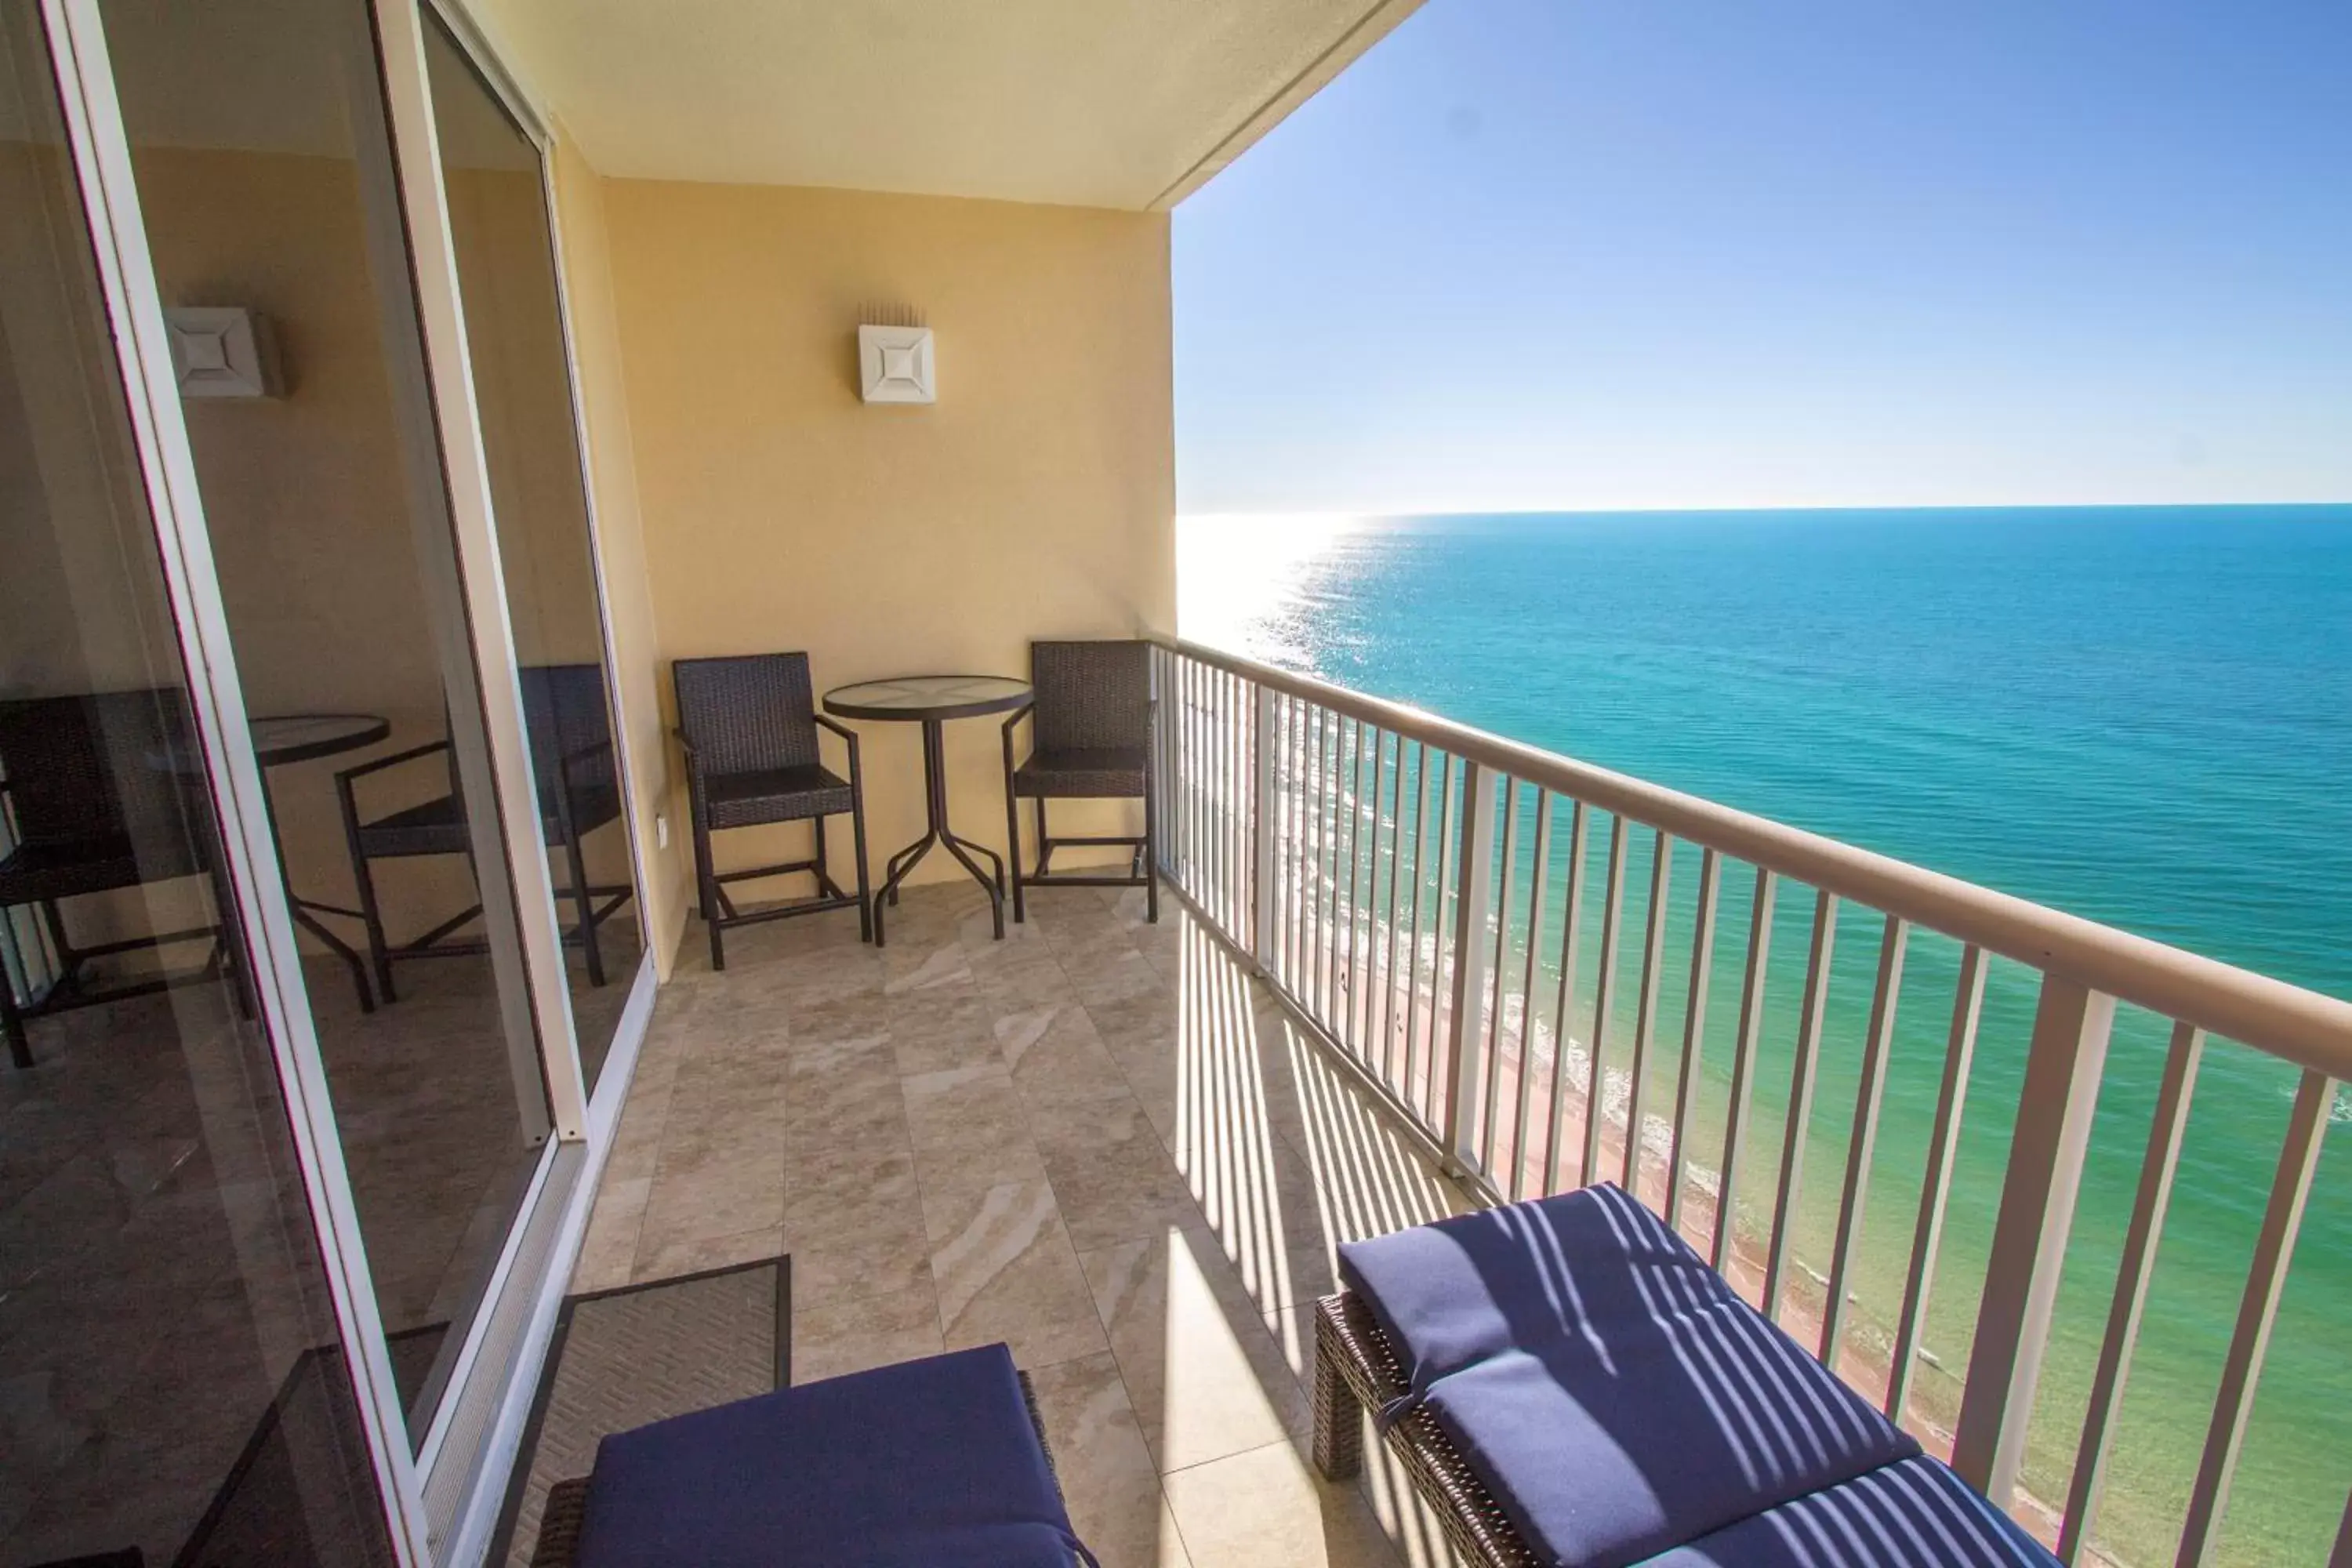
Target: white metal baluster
1474 872
1645 1009
1943 1148
1413 1009
2071 1024
1266 832
1352 1011
2164 1135
1596 1078
2208 1499
1396 861
1579 823
1527 1008
1335 996
1490 1037
1441 985
1710 887
1294 849
1865 1141
1311 994
1801 1101
1743 1068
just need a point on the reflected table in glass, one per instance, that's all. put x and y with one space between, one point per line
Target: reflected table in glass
931 700
279 739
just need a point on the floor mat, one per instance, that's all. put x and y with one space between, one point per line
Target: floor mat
624 1357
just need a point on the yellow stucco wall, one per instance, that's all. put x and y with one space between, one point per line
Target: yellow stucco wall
1035 498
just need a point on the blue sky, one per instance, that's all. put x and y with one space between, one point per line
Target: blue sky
1603 254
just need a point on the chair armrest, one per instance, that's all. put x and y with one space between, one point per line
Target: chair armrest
581 753
844 731
1026 710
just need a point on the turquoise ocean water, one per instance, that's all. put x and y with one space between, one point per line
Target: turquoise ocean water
2140 716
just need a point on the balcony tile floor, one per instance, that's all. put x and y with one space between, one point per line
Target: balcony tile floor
1099 1141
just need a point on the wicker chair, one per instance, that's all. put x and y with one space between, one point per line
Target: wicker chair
569 728
1090 734
96 803
749 724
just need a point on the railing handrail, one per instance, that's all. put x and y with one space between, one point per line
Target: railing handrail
2307 1027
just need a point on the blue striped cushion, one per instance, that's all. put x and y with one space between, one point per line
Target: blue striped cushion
1613 1391
1916 1511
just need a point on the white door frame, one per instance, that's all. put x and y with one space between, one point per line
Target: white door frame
102 160
103 165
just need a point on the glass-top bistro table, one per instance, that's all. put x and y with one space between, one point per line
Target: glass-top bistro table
931 700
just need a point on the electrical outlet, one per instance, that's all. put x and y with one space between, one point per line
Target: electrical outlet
661 830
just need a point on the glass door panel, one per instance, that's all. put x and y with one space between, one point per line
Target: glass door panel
523 385
265 173
172 1384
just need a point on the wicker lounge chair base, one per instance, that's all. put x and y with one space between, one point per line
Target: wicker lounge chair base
1355 1370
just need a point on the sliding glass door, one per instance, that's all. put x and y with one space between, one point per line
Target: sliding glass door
176 1381
318 901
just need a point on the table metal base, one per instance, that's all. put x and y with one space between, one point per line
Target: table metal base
935 798
303 908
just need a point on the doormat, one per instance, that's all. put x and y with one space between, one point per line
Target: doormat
638 1353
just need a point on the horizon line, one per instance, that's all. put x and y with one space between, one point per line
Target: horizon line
1387 515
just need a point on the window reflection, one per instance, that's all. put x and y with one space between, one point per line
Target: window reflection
171 1386
514 330
265 175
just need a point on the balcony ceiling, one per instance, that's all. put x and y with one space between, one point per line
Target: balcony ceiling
1112 104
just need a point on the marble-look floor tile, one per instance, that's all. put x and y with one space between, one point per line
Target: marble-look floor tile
968 1128
1206 1375
1267 1509
835 1336
609 1253
951 1025
1004 1269
1104 1466
1056 1058
694 1254
855 1222
1111 1175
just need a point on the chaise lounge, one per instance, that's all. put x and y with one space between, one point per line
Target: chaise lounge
1567 1383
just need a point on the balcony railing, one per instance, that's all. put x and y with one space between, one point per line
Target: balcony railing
1418 890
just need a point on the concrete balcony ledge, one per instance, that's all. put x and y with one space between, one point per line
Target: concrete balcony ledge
1099 1141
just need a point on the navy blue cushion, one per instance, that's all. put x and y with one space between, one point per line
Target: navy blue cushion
1613 1391
1913 1512
930 1462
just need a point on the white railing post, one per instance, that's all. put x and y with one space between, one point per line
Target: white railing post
2063 1067
1465 1032
1266 829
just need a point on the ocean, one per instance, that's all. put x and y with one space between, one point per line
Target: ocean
2143 716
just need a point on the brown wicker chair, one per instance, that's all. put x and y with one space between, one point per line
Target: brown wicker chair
569 728
1357 1370
96 802
750 725
1090 739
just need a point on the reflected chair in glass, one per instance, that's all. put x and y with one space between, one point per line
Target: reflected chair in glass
748 723
577 776
96 803
1090 739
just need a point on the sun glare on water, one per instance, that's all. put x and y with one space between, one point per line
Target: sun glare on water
1234 570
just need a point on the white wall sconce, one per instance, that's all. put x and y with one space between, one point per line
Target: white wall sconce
894 364
222 351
